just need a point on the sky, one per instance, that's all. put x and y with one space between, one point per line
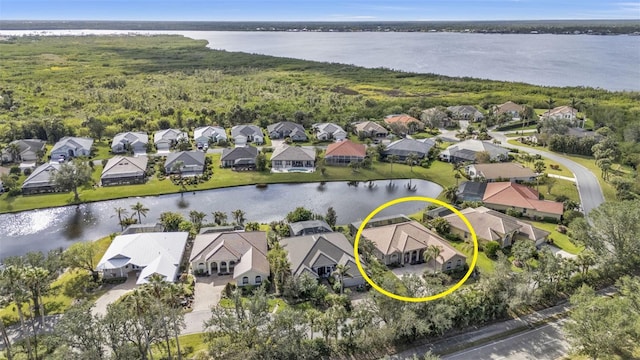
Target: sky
317 10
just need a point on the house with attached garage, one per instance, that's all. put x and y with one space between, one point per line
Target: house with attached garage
319 255
208 135
71 147
370 129
465 112
491 225
186 163
560 112
25 151
244 134
164 140
242 157
287 158
329 131
121 170
507 171
510 108
284 129
468 151
406 242
135 141
503 196
242 254
41 179
404 147
144 254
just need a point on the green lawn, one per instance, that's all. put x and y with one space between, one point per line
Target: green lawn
560 240
102 150
484 263
439 172
189 344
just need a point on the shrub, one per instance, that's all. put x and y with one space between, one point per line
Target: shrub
15 170
548 219
27 171
561 229
491 248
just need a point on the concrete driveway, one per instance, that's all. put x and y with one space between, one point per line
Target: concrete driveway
417 270
208 291
112 295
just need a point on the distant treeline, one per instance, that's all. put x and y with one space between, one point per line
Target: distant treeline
595 27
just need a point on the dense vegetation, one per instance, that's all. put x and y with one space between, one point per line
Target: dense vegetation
512 27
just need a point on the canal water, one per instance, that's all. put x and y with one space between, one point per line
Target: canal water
46 229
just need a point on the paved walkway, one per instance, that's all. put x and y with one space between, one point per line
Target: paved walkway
112 295
562 177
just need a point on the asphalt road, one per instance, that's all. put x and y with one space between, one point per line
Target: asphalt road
588 187
544 343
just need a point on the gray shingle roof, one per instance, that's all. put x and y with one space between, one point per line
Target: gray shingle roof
293 153
404 147
246 130
241 152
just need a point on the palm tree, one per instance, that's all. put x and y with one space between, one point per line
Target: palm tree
177 168
121 212
433 252
341 271
457 176
13 149
140 210
451 193
197 217
12 284
574 106
550 103
392 159
219 217
412 159
238 216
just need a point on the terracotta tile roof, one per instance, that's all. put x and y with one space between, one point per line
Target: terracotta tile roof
516 195
346 148
400 118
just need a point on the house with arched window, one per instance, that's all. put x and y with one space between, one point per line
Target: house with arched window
240 254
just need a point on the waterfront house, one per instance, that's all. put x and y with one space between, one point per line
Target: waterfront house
405 243
242 157
193 163
242 254
121 170
404 147
345 152
144 254
41 179
319 255
309 227
287 158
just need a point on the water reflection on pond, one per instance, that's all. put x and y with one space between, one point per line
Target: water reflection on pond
46 229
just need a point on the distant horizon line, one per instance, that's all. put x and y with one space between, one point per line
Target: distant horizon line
317 21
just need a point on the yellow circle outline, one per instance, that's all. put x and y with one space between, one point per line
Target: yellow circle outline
407 298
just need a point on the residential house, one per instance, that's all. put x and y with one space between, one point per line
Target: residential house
574 132
318 255
329 131
144 254
560 112
468 150
507 171
407 122
208 135
436 117
510 108
471 191
242 157
27 151
405 243
465 112
507 195
164 140
283 129
287 158
69 147
41 179
370 129
440 211
344 153
193 163
378 221
404 147
244 134
124 170
136 142
309 227
491 225
242 254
